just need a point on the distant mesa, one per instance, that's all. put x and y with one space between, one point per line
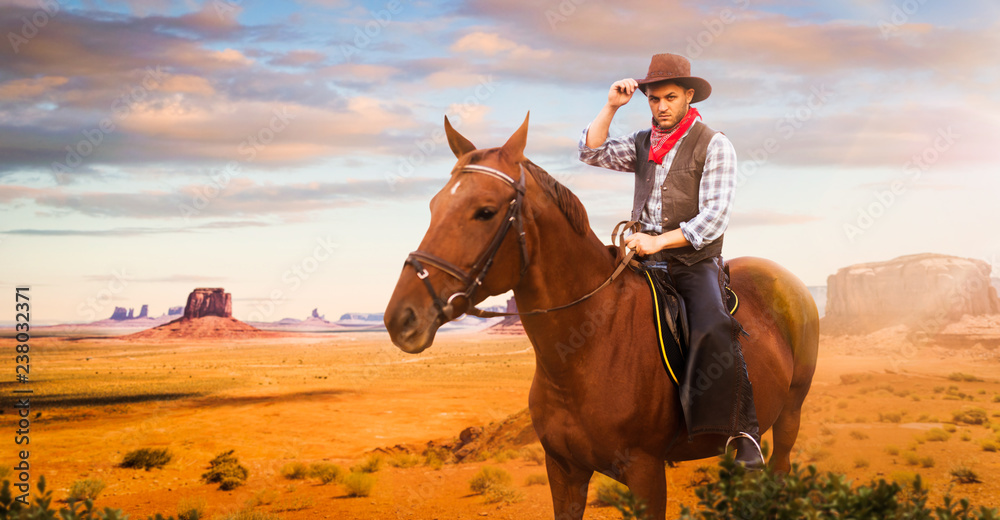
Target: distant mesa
925 292
175 311
209 302
207 315
509 324
316 314
122 314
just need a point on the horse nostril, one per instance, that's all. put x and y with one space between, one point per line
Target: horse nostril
409 318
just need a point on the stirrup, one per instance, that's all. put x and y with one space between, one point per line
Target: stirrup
754 441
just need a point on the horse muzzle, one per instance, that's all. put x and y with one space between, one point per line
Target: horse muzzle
411 329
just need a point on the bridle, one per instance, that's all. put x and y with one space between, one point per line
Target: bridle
474 277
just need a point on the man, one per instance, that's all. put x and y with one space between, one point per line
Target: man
693 169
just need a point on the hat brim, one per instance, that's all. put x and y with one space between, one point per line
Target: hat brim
702 89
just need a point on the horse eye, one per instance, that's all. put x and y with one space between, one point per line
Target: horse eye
485 214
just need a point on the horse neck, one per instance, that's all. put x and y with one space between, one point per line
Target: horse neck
563 267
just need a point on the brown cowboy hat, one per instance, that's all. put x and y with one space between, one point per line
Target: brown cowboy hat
671 67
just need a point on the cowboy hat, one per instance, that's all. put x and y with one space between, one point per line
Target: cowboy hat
671 67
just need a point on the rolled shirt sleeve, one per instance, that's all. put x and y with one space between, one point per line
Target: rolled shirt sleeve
615 154
716 194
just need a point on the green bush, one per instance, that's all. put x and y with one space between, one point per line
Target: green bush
41 508
191 509
404 460
487 477
326 472
295 471
146 458
964 475
359 484
371 464
536 479
226 470
970 416
87 489
937 435
807 493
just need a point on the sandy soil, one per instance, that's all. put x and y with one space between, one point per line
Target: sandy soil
336 397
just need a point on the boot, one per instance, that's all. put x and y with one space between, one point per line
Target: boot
748 452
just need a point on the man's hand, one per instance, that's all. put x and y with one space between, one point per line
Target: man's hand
621 92
647 244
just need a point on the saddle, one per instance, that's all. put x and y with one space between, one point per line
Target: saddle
670 316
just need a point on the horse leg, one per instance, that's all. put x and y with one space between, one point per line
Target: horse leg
785 431
646 480
568 484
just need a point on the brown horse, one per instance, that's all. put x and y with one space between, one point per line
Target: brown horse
600 399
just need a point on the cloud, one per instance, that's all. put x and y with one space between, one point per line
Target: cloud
240 198
127 232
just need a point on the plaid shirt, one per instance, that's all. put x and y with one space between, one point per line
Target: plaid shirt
715 194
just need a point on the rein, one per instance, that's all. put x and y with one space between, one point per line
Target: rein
485 261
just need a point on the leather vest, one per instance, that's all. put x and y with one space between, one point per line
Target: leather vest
679 192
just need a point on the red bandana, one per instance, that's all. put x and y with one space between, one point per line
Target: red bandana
662 141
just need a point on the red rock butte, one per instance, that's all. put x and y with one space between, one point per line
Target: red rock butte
207 315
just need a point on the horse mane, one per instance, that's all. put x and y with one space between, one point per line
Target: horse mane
565 200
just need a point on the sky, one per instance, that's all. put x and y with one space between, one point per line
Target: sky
287 151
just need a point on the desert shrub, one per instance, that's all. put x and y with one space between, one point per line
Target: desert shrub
436 456
264 497
927 462
966 436
958 376
996 398
505 455
146 458
842 405
860 462
326 472
989 445
806 493
970 416
609 490
371 464
938 389
359 484
294 504
191 508
5 472
86 489
505 494
226 470
851 379
950 428
964 475
404 460
892 450
937 435
295 471
489 476
855 434
816 454
248 514
912 458
536 479
534 454
891 417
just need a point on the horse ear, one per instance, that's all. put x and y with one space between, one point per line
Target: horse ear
514 147
459 144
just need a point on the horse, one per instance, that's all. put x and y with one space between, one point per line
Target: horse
600 400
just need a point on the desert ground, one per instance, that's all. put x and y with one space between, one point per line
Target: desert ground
883 405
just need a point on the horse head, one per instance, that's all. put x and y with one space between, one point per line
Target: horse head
474 247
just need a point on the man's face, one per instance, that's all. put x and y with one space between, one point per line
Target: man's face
668 102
